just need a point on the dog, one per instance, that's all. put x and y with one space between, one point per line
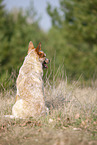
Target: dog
30 98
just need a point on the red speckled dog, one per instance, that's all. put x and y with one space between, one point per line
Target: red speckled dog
30 99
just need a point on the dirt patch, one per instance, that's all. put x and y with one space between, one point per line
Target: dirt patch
36 132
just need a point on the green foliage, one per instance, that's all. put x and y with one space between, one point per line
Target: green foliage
74 34
71 42
17 28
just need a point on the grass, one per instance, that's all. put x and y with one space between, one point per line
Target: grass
72 119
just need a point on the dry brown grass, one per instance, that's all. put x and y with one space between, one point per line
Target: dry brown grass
72 119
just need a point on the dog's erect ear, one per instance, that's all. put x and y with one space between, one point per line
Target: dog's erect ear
38 47
30 47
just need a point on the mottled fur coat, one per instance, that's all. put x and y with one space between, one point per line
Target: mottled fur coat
30 99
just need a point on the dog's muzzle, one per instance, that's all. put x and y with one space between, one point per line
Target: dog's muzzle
45 62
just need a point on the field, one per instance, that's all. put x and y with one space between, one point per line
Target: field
72 119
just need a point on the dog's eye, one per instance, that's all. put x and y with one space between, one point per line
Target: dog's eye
41 55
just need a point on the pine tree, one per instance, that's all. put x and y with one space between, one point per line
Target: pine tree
17 28
2 13
77 24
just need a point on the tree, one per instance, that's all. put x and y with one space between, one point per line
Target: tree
18 28
77 24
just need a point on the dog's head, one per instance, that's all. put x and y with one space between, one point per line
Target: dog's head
41 54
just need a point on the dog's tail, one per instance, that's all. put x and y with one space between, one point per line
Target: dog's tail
9 116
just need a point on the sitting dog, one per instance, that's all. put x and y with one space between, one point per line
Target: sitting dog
30 99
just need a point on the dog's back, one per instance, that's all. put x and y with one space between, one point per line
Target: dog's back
30 100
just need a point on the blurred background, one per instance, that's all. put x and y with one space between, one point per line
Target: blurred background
67 30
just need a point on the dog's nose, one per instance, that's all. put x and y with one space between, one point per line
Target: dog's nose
47 60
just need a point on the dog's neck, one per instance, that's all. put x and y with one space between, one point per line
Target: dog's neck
35 66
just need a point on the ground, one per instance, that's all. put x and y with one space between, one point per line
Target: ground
72 119
40 132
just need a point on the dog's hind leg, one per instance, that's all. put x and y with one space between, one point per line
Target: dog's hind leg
17 98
